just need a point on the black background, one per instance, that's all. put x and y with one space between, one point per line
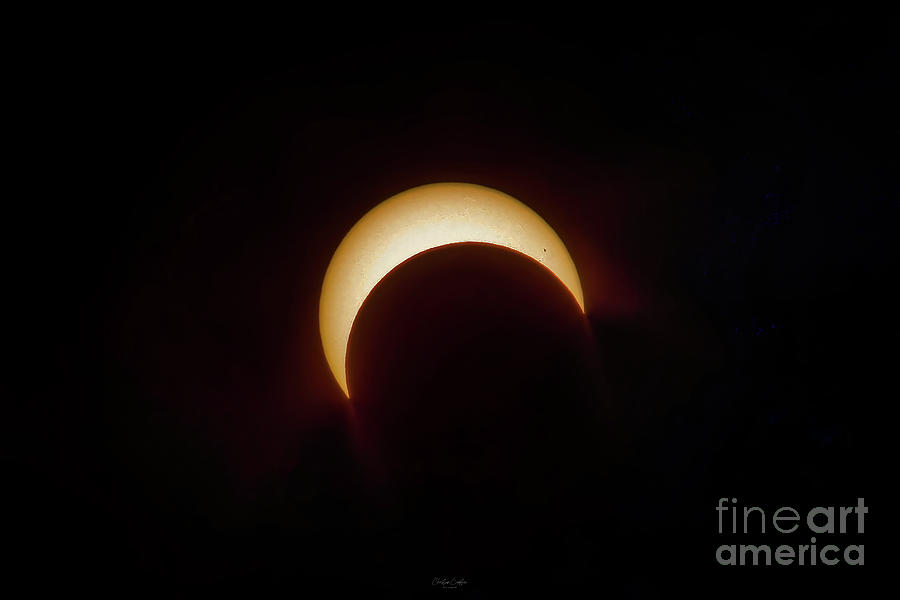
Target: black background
725 182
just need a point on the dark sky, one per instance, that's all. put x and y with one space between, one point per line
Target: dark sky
725 182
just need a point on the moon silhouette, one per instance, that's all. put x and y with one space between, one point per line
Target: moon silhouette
419 219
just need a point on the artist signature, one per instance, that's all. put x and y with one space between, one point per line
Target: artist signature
449 583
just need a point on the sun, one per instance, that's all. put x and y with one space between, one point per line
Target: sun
417 220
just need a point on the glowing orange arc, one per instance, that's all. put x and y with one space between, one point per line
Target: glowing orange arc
417 220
